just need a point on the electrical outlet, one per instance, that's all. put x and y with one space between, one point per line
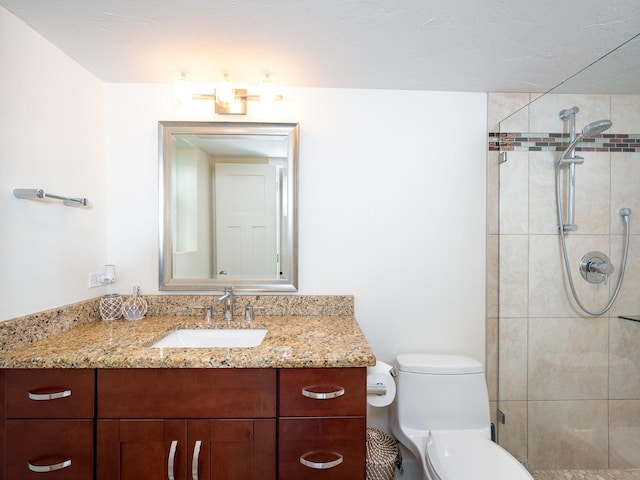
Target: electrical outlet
94 280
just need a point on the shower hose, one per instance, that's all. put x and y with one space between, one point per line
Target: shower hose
624 213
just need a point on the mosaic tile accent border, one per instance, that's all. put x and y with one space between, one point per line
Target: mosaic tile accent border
558 142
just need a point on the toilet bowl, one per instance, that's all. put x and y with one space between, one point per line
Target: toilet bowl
441 414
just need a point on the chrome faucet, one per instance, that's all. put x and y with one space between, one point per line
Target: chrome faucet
227 298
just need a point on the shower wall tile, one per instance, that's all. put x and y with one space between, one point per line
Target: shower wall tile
513 275
549 294
628 302
568 434
506 108
513 359
624 113
491 361
624 434
593 193
514 192
568 358
624 372
545 111
625 175
493 194
493 257
512 435
542 203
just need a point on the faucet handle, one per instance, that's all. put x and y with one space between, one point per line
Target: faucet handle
249 313
207 312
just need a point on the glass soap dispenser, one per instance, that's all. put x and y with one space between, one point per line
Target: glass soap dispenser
135 306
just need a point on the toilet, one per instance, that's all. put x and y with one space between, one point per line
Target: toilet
441 414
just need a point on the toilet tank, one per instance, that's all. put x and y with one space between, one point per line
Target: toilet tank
440 392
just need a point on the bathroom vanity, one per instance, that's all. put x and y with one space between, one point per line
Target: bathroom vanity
293 407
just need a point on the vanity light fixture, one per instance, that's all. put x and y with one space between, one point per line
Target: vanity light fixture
227 99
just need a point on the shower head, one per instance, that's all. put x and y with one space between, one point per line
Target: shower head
589 130
594 128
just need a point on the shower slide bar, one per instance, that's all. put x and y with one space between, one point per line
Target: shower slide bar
35 193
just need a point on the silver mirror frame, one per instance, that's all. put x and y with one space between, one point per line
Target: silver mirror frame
166 131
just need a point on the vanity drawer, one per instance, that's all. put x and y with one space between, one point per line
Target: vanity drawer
316 392
50 393
186 393
57 449
328 448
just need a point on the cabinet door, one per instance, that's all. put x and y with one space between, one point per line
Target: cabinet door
52 449
141 449
322 448
232 449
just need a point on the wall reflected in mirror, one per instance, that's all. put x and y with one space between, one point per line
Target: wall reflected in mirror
228 197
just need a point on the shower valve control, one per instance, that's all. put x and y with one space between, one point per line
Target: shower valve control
596 267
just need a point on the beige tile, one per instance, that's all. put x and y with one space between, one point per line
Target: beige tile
542 193
568 358
513 359
568 434
512 435
491 370
624 376
545 111
493 193
549 293
625 178
493 259
514 193
593 198
628 301
502 107
513 275
624 113
624 433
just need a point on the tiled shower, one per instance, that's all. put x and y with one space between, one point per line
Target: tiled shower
567 383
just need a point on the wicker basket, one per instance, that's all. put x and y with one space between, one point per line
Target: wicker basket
383 455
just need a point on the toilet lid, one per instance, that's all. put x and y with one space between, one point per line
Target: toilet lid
464 454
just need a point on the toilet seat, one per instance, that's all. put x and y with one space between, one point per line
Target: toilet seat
465 454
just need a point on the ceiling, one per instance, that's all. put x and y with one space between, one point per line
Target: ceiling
454 45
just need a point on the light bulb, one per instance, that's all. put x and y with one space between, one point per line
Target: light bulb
224 91
182 89
266 90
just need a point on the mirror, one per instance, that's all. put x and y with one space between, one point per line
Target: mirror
228 206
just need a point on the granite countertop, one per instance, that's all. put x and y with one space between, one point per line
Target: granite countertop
291 342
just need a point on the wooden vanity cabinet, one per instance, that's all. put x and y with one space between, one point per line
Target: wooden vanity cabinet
322 424
48 424
186 423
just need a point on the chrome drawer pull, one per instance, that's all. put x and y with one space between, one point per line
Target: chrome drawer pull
196 460
49 396
49 468
321 465
172 457
322 395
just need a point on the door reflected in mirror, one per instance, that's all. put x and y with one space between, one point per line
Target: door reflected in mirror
228 198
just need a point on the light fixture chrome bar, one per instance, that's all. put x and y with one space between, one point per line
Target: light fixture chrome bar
212 97
33 193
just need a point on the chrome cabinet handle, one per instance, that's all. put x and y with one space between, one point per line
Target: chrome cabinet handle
321 465
196 460
49 396
172 457
48 468
322 395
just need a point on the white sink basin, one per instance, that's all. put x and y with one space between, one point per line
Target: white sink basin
210 338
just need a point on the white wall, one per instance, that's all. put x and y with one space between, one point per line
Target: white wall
392 204
51 137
